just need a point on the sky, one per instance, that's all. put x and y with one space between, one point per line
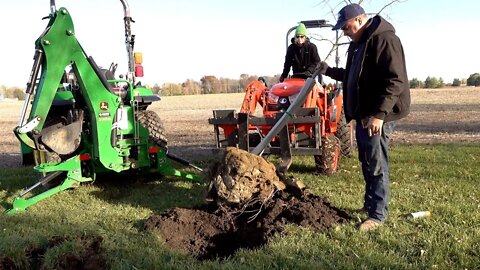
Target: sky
186 39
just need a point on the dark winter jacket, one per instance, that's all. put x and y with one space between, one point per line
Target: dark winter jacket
378 84
301 59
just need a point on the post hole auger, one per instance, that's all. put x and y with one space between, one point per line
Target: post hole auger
300 117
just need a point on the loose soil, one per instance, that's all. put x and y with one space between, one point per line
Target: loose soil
248 205
217 231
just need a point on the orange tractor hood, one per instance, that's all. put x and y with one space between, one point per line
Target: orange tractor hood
288 87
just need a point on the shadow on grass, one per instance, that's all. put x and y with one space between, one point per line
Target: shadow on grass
46 234
11 160
154 191
302 168
12 180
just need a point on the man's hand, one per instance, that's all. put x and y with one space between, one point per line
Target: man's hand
374 126
322 67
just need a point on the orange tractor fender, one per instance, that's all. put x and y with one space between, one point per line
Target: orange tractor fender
253 95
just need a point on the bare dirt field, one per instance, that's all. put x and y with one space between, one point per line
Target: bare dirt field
437 116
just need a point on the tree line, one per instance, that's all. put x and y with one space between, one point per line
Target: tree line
214 85
434 82
210 84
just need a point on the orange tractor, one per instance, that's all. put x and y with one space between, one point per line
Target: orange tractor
317 127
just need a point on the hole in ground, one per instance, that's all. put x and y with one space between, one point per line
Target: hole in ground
212 231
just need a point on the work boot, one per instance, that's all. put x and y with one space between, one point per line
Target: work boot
369 225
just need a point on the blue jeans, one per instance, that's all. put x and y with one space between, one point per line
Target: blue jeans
373 154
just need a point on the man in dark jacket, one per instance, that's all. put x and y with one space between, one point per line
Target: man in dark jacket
302 55
376 94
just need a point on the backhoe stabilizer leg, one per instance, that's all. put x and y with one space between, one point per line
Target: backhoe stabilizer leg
168 170
21 204
73 179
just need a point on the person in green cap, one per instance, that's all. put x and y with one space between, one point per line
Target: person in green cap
302 56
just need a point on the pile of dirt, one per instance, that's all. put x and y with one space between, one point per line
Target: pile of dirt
249 204
217 231
90 257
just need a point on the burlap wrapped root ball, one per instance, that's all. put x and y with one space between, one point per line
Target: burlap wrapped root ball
241 176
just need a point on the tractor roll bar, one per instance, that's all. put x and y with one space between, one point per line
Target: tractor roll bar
53 8
317 24
129 40
126 8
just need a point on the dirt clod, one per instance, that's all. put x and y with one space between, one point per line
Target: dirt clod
241 175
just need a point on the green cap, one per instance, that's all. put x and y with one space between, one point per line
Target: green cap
301 29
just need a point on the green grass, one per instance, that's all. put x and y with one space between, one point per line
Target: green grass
443 179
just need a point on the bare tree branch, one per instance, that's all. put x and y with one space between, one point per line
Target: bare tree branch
337 4
389 4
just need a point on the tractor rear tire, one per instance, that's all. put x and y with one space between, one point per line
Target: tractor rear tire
152 122
327 162
343 133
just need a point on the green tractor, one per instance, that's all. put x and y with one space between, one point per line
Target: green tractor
78 121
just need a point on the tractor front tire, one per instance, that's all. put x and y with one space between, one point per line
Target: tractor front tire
327 162
343 134
152 122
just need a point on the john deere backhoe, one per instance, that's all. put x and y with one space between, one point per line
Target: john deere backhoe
78 121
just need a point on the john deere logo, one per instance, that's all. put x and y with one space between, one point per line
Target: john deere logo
104 106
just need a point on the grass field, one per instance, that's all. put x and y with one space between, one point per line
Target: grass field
440 178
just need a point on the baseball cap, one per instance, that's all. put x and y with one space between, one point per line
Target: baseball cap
346 13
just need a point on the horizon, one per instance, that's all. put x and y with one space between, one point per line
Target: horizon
182 40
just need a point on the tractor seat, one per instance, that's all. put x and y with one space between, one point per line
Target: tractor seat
108 74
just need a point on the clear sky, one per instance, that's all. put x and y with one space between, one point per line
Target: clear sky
186 39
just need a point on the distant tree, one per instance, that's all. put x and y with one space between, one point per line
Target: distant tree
156 89
210 85
244 80
14 92
271 80
456 82
191 87
474 80
416 83
3 88
228 85
441 83
171 89
431 82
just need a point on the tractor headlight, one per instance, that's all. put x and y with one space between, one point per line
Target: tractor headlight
283 103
